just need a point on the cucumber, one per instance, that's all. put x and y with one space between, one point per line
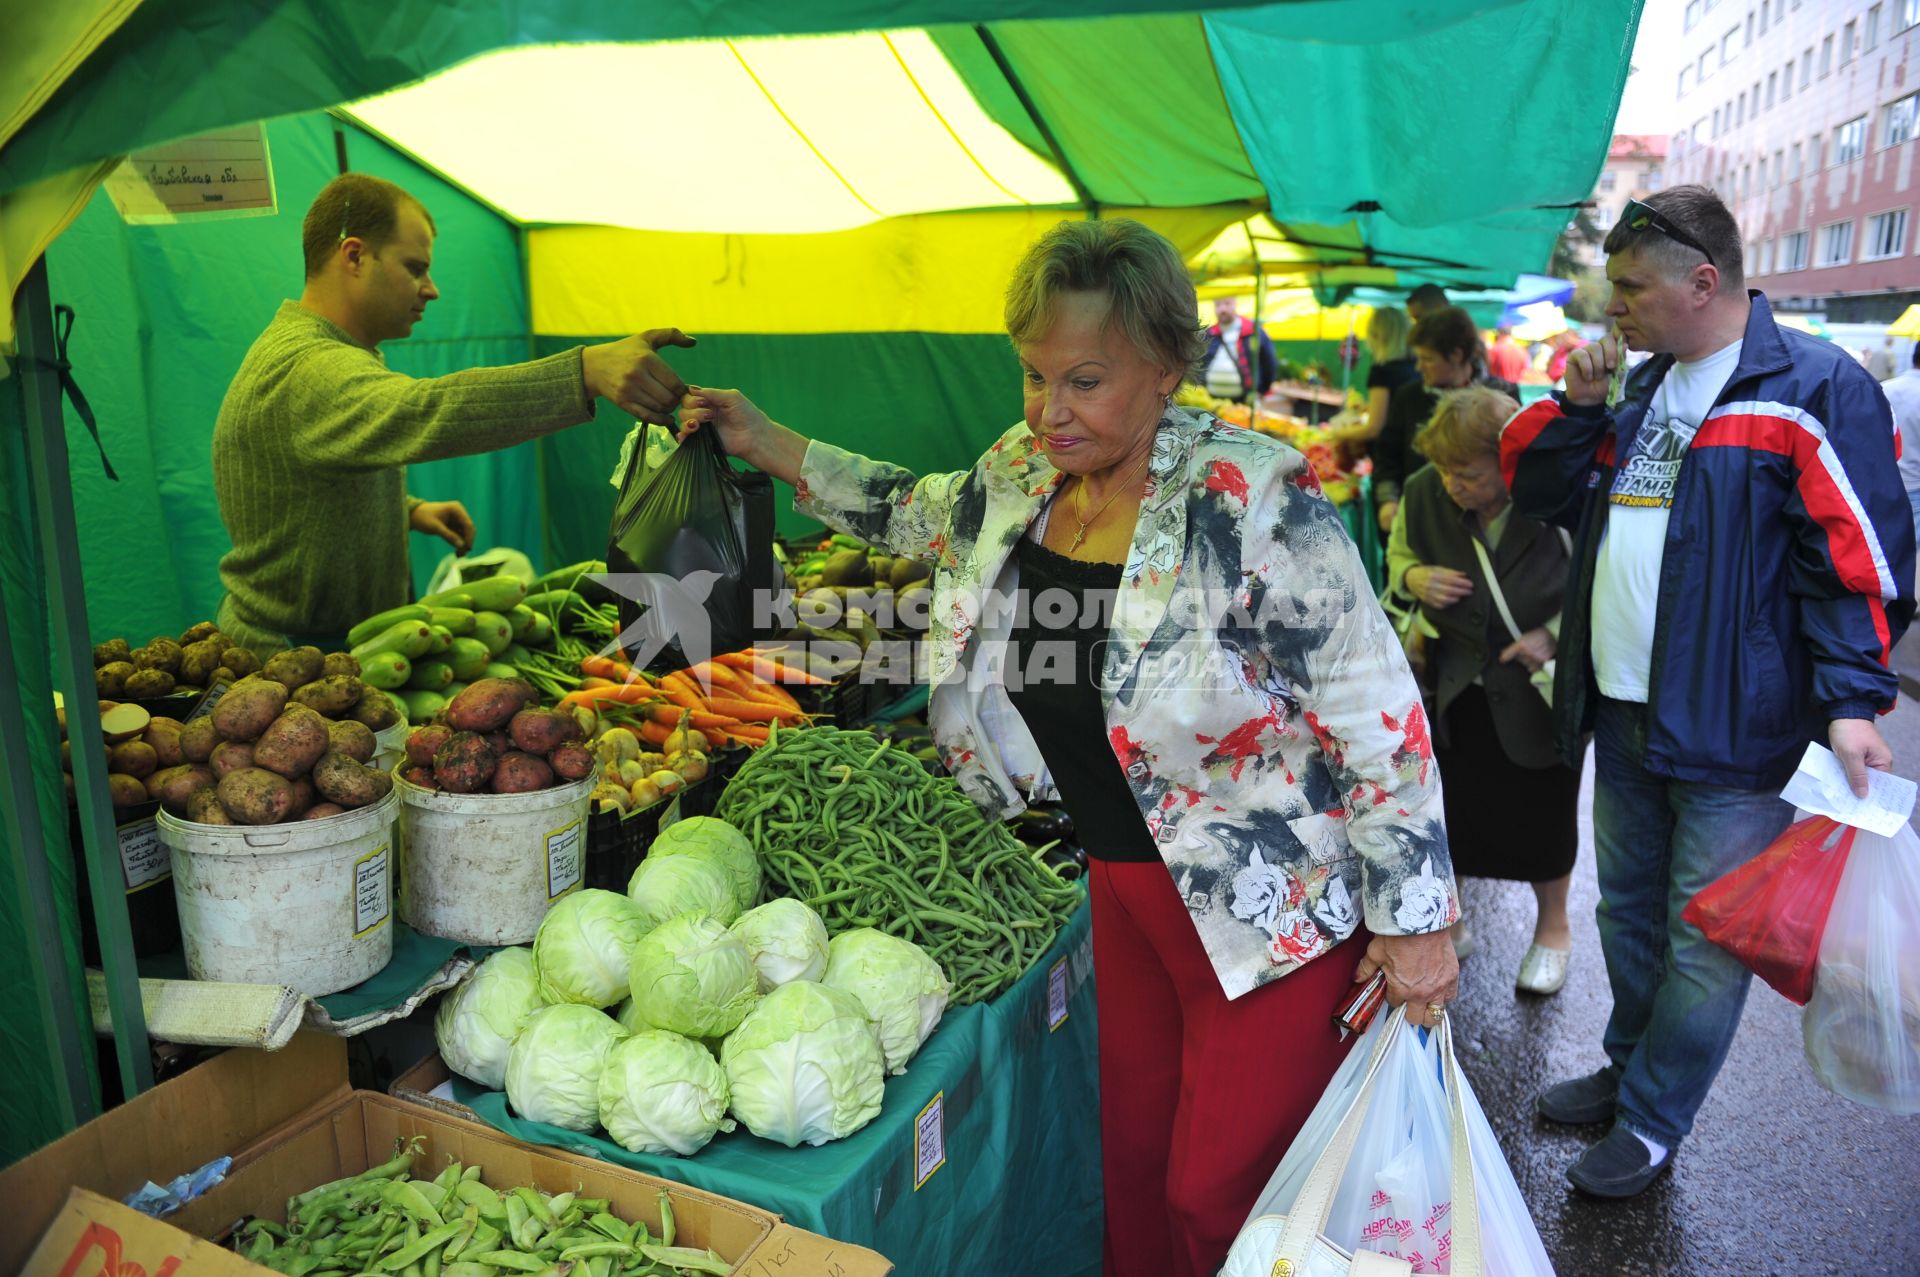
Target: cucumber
442 640
411 639
497 593
455 620
498 670
430 676
375 625
457 597
521 620
422 705
469 658
542 631
385 670
492 629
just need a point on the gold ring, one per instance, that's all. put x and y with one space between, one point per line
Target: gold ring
1436 1010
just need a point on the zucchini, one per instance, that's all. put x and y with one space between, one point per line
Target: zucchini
454 689
492 629
542 631
411 639
386 670
422 706
442 640
469 658
457 597
496 593
498 670
517 655
521 620
430 676
383 622
455 620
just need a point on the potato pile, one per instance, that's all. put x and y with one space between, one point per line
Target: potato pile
138 745
191 663
493 738
292 742
631 777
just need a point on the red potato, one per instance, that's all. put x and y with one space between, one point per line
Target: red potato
248 708
424 742
572 762
230 757
176 786
342 780
355 740
256 796
126 791
520 773
489 704
420 776
134 758
163 734
541 731
204 808
303 797
320 811
464 765
198 740
293 743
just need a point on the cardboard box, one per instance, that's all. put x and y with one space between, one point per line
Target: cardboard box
417 1084
290 1122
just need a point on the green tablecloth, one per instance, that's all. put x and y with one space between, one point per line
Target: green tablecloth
416 960
1020 1190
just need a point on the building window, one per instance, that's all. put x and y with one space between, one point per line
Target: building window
1873 27
1697 126
1746 180
1886 236
1654 179
1749 26
1716 122
1786 82
1847 34
1792 253
1907 14
1763 17
1813 154
1850 140
1779 167
1836 245
1702 69
1726 45
1740 109
1760 177
1795 174
1694 10
1900 119
1609 179
1806 69
1773 83
1685 72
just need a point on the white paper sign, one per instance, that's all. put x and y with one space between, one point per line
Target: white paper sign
143 857
1820 786
226 173
929 1140
1057 995
372 892
566 860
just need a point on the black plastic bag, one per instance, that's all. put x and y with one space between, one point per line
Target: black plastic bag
690 547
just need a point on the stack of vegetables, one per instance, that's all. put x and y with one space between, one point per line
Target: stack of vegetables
385 1221
733 699
164 667
859 830
493 737
674 1011
633 777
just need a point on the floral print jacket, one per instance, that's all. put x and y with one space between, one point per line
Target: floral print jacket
1256 696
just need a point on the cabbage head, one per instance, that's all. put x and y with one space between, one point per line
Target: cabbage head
553 1070
584 947
628 1016
787 941
903 989
720 842
693 977
666 888
478 1021
662 1093
805 1066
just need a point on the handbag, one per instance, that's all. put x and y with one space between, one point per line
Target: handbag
1295 1244
1542 678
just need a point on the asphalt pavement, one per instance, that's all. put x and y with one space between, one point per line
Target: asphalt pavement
1779 1176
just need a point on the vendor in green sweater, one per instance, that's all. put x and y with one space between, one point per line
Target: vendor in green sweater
314 432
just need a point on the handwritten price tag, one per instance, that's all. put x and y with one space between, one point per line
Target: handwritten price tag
929 1140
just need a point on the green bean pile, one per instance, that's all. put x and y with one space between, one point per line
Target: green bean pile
384 1223
857 829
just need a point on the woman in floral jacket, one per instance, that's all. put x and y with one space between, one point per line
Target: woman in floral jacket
1159 619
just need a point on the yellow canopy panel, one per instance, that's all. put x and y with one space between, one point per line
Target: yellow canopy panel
745 136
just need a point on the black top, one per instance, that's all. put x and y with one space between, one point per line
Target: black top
1392 374
1408 408
1054 682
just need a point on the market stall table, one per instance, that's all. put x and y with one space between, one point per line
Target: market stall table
985 1157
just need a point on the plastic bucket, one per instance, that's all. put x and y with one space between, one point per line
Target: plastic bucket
306 904
483 868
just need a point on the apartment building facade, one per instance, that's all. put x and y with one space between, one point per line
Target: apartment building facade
1803 115
1635 169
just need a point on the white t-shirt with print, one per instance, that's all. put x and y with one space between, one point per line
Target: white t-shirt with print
1223 374
1626 582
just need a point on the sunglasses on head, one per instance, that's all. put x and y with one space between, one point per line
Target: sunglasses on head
1640 217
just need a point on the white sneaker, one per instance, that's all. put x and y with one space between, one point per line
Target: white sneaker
1543 970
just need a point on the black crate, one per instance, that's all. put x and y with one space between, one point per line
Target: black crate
151 913
616 844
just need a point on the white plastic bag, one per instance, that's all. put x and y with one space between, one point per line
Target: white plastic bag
1862 1024
1395 1196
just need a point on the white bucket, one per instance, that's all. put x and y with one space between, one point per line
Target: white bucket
483 868
306 904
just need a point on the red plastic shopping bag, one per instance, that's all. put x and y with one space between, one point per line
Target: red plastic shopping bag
1772 911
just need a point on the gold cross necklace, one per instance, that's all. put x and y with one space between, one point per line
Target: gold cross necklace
1080 504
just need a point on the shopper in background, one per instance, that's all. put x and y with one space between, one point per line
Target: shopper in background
1765 459
1239 362
1505 357
1240 855
1449 354
1880 363
1510 800
1392 368
315 430
1427 299
1903 395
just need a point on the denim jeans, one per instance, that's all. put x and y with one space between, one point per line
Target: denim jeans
1677 996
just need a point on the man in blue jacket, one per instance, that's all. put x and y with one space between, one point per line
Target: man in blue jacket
1239 363
1743 566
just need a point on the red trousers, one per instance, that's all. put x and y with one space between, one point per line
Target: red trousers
1199 1096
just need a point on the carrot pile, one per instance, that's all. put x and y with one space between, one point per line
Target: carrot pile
732 699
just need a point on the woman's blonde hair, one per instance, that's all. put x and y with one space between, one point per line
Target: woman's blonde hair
1387 334
1149 292
1465 427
